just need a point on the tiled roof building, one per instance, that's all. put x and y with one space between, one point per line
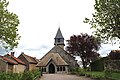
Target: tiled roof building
10 63
30 62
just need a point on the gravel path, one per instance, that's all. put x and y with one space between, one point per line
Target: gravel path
62 77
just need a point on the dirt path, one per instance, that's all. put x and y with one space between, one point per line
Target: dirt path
62 77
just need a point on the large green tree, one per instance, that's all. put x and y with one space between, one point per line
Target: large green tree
8 26
106 19
85 46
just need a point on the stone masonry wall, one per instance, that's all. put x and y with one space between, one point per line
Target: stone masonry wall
112 65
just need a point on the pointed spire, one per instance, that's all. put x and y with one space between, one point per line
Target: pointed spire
59 39
59 34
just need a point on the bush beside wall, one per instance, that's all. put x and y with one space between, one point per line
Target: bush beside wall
98 65
27 75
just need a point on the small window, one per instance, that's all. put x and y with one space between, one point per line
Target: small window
44 69
58 69
63 68
58 40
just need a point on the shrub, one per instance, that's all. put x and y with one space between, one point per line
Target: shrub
81 71
74 70
98 65
30 75
96 75
10 76
27 75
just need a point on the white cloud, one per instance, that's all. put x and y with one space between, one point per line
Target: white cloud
40 19
106 48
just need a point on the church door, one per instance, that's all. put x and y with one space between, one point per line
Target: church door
51 68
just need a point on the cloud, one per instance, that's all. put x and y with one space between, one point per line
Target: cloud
106 48
33 48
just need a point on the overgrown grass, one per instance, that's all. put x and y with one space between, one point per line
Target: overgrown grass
103 75
96 75
116 76
27 75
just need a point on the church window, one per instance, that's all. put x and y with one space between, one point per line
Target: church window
60 68
63 68
58 40
43 69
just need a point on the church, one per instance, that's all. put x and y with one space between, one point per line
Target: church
57 60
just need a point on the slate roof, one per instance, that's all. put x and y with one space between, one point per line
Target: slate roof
59 34
58 49
8 60
55 57
30 59
16 59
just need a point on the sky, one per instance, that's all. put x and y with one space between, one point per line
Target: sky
40 20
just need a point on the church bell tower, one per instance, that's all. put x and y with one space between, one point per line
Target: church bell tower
59 40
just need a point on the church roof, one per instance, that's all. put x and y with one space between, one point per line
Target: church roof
55 57
59 34
58 49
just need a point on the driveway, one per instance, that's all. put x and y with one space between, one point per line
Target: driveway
62 77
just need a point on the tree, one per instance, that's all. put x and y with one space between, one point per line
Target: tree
8 27
85 46
106 19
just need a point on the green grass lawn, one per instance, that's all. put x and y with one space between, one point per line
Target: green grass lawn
116 76
101 75
94 74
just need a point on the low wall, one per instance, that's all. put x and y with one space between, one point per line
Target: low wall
112 65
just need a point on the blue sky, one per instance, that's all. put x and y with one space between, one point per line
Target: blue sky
40 19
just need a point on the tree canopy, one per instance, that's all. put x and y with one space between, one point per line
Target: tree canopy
106 19
85 46
8 26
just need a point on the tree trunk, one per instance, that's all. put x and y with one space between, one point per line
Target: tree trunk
84 63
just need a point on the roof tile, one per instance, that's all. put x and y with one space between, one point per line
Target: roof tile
8 60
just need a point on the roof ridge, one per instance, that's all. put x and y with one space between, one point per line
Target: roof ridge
9 60
16 59
27 56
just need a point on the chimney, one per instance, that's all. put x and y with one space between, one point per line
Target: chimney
12 53
22 52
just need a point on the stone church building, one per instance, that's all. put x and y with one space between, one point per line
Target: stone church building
57 60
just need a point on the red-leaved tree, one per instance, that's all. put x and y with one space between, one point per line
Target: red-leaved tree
85 46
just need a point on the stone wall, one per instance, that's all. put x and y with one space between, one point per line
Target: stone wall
20 68
32 67
3 66
112 65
